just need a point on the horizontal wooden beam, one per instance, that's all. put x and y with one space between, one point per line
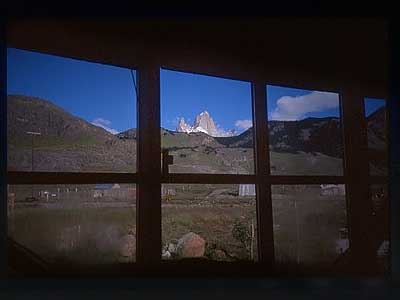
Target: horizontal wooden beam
267 179
15 177
69 178
209 178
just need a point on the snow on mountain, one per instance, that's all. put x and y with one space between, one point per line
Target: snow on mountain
203 123
183 126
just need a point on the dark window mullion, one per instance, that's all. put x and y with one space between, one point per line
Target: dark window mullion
262 167
148 238
357 188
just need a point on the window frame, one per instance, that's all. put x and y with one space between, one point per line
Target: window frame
148 179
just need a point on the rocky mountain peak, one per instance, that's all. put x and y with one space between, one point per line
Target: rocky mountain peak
203 123
183 126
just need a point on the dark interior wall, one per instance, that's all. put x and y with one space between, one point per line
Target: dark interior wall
324 54
314 54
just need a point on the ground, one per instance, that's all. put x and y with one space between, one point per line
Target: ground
84 230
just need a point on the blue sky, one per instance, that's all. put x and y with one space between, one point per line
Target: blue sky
186 95
373 104
98 93
105 96
295 104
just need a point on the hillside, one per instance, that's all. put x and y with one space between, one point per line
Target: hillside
65 143
69 143
377 142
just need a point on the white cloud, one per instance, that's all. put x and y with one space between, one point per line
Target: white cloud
295 108
243 124
103 123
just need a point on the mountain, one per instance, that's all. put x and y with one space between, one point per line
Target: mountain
65 143
312 135
203 123
68 143
376 129
127 134
377 142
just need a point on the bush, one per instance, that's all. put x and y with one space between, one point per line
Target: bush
242 232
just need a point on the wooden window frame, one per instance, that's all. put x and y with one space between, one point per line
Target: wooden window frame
149 179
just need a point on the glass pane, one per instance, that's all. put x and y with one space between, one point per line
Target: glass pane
375 114
206 123
310 227
380 229
304 132
74 224
69 115
216 222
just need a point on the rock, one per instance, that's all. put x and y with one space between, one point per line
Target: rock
166 254
191 245
171 248
128 246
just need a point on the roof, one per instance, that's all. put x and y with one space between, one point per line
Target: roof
104 186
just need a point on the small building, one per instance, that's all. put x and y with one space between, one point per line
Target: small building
332 190
106 189
247 190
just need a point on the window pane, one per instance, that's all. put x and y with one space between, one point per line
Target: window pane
304 132
216 222
77 224
310 227
206 123
69 115
375 114
380 229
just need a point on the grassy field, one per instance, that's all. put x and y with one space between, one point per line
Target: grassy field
306 225
78 235
212 212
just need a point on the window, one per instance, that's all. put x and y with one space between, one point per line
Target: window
229 173
66 115
310 225
376 133
304 132
85 224
213 221
207 123
381 225
71 128
375 117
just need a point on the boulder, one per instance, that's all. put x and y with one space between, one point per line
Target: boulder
191 245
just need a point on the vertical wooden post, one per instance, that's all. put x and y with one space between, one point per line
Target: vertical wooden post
265 232
363 257
149 166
